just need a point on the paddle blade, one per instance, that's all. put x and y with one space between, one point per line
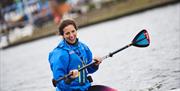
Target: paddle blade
141 39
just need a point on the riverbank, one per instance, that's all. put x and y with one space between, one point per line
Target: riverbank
107 12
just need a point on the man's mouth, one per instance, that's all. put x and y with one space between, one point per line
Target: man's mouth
72 38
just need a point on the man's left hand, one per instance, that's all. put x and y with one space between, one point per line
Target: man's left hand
97 60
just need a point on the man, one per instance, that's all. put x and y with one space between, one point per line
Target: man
68 57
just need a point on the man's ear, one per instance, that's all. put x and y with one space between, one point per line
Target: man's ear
61 36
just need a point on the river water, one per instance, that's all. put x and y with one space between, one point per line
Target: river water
155 68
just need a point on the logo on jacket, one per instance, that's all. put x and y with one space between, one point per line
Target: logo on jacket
71 52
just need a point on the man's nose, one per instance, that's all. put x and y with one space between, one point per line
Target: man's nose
71 34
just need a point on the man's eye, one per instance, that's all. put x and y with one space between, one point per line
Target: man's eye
67 33
73 31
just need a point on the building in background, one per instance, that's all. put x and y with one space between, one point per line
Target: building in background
16 15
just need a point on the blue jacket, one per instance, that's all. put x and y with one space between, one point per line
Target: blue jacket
67 57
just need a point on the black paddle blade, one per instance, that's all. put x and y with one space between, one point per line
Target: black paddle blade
141 39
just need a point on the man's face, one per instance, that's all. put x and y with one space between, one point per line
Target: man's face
70 34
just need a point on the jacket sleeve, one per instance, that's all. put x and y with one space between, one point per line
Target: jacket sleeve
93 68
58 64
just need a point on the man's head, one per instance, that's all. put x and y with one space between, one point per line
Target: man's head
68 30
65 23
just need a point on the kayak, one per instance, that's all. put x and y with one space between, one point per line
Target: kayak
101 88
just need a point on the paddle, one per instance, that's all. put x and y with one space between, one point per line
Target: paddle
140 40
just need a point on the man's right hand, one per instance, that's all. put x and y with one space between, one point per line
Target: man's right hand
74 73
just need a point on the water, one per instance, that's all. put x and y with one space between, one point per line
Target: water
155 68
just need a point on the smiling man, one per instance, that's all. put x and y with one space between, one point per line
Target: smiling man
68 57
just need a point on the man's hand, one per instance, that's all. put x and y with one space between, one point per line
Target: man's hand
74 73
97 60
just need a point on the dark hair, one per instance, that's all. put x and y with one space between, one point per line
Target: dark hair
66 23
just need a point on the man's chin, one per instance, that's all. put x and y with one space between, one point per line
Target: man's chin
72 42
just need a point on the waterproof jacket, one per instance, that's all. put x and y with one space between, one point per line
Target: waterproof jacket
66 57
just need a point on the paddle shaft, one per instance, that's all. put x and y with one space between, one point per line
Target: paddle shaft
109 55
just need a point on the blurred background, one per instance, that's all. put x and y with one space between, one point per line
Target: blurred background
28 32
26 20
